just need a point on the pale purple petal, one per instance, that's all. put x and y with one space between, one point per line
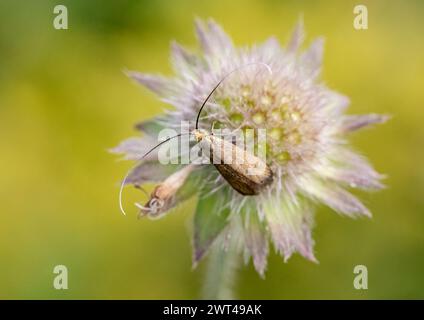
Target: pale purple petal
268 51
182 60
356 122
290 225
333 104
213 40
150 171
157 84
271 45
296 38
311 59
368 180
353 169
334 196
256 241
202 36
135 148
343 166
219 35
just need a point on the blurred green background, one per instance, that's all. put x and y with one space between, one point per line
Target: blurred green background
64 100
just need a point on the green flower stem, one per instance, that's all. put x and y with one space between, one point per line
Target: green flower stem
221 271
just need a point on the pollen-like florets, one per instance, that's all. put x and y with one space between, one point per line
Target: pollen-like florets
306 131
265 101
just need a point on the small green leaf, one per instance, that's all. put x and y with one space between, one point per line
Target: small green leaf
210 220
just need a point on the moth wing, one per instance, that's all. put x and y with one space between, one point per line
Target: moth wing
245 172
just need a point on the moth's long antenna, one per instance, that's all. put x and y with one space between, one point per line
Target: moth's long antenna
217 85
129 171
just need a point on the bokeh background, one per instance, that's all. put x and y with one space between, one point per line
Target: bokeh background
64 101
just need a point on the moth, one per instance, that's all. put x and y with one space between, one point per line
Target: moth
248 177
163 196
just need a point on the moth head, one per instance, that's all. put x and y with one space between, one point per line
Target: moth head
199 134
156 205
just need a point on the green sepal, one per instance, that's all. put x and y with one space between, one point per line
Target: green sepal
210 219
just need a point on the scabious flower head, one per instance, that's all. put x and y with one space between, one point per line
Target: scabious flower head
307 147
